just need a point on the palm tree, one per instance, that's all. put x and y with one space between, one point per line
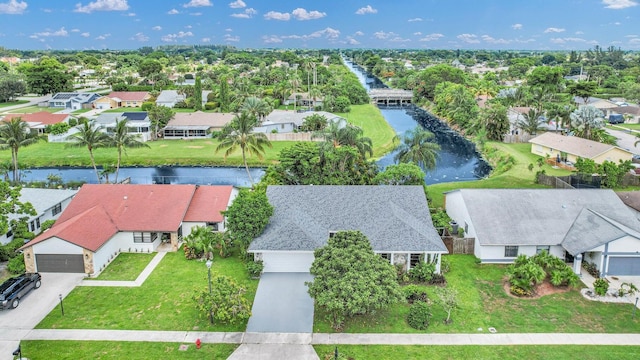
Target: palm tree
239 133
531 122
335 135
121 140
256 107
15 134
90 136
417 147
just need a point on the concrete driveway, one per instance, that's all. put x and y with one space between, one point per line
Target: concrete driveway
16 323
282 304
625 138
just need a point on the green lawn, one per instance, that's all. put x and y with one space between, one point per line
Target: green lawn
80 111
556 352
13 103
125 267
519 176
187 152
484 303
163 302
626 126
375 127
33 109
60 350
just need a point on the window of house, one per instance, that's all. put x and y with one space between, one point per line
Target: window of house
213 226
32 225
332 233
510 251
386 256
540 249
57 209
143 237
414 259
38 223
9 233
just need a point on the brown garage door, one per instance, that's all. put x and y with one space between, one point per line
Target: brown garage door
60 263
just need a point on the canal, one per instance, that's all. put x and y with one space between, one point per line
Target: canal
457 160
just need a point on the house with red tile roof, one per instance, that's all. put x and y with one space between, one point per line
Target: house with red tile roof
118 99
103 220
39 120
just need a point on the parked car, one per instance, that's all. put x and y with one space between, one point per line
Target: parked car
616 119
12 290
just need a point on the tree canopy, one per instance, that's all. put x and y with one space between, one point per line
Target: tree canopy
350 279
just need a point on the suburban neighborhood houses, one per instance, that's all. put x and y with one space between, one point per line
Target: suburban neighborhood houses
208 201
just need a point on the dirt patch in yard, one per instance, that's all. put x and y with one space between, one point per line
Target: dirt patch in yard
539 291
195 147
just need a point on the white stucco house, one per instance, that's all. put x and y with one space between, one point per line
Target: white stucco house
48 204
576 225
395 219
104 220
285 121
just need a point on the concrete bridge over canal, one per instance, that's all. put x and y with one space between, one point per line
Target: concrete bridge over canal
391 97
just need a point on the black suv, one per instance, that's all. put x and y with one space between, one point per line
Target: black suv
12 290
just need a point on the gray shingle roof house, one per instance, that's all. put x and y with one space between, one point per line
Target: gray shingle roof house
589 224
396 220
73 100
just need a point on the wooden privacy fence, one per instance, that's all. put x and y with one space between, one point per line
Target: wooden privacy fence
456 245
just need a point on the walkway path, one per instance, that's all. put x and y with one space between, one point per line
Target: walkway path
137 282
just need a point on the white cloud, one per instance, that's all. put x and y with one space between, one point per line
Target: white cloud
417 33
491 40
619 4
328 33
358 33
554 30
579 32
85 34
13 7
48 33
469 38
366 10
302 14
157 28
103 37
231 38
274 15
175 37
131 14
238 4
567 39
198 3
195 13
352 41
381 35
228 29
140 37
634 41
516 26
415 19
75 30
271 39
206 40
247 14
188 27
102 5
173 12
432 37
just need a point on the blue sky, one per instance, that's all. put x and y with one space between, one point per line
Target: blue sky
434 24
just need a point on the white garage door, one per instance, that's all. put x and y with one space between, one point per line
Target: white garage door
287 261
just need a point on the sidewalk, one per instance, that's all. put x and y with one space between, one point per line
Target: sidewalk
338 338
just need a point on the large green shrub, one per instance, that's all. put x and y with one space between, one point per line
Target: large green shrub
422 272
419 315
16 265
